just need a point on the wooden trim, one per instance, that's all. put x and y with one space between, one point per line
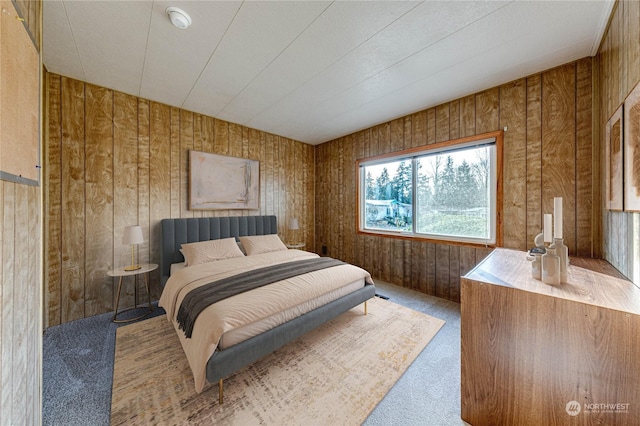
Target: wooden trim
498 135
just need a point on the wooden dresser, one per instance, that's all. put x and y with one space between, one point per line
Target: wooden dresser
535 354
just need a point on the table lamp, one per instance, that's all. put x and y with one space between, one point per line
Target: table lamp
132 235
294 226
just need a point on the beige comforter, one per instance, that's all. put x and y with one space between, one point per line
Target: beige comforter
246 308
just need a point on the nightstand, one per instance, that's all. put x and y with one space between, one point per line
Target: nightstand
144 271
295 245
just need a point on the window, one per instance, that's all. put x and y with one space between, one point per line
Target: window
447 191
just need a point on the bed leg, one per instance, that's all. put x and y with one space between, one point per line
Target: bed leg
365 307
220 391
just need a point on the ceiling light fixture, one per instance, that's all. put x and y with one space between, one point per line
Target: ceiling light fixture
179 18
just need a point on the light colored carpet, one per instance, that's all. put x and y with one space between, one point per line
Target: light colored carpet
336 374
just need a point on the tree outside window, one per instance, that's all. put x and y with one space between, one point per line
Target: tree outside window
447 193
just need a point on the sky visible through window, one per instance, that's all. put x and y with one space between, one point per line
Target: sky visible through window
457 156
449 197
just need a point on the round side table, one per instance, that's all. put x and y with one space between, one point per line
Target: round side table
144 270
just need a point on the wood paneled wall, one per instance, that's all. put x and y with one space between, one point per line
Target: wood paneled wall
548 152
618 69
114 160
20 308
20 280
30 11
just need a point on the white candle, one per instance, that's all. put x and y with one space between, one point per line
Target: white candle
557 213
547 228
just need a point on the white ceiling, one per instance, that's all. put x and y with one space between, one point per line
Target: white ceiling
315 70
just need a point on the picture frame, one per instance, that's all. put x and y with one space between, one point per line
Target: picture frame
613 162
632 151
221 182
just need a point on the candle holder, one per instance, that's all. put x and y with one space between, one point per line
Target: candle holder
550 267
535 256
536 266
562 252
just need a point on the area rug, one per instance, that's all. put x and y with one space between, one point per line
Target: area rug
336 374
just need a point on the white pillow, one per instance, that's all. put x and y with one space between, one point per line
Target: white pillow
210 251
257 244
241 248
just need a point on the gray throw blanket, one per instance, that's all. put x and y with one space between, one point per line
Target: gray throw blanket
199 298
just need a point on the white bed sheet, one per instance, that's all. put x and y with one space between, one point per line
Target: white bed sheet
255 311
248 331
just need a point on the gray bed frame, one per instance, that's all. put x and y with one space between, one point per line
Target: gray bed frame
224 363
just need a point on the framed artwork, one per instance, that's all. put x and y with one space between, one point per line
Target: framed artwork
613 162
632 151
220 182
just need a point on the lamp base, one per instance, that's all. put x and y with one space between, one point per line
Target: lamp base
132 267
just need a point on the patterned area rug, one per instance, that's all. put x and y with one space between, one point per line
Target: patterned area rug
335 374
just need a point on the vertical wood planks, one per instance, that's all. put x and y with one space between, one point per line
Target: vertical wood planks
20 254
631 43
99 195
396 135
186 144
33 307
7 292
197 146
270 187
431 126
454 120
534 157
419 128
30 11
468 116
513 117
73 204
488 110
159 182
263 174
125 184
442 275
20 333
615 73
176 187
442 123
435 268
454 273
558 146
586 176
53 209
135 152
616 63
349 193
21 303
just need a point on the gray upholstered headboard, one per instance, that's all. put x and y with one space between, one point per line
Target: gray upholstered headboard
176 232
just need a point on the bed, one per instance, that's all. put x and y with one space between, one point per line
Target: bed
221 346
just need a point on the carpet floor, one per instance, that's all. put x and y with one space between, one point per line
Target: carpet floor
79 357
348 364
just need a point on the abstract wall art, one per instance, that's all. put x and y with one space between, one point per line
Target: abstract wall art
220 182
632 151
613 161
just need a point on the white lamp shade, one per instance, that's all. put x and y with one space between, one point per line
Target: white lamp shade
293 224
132 235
